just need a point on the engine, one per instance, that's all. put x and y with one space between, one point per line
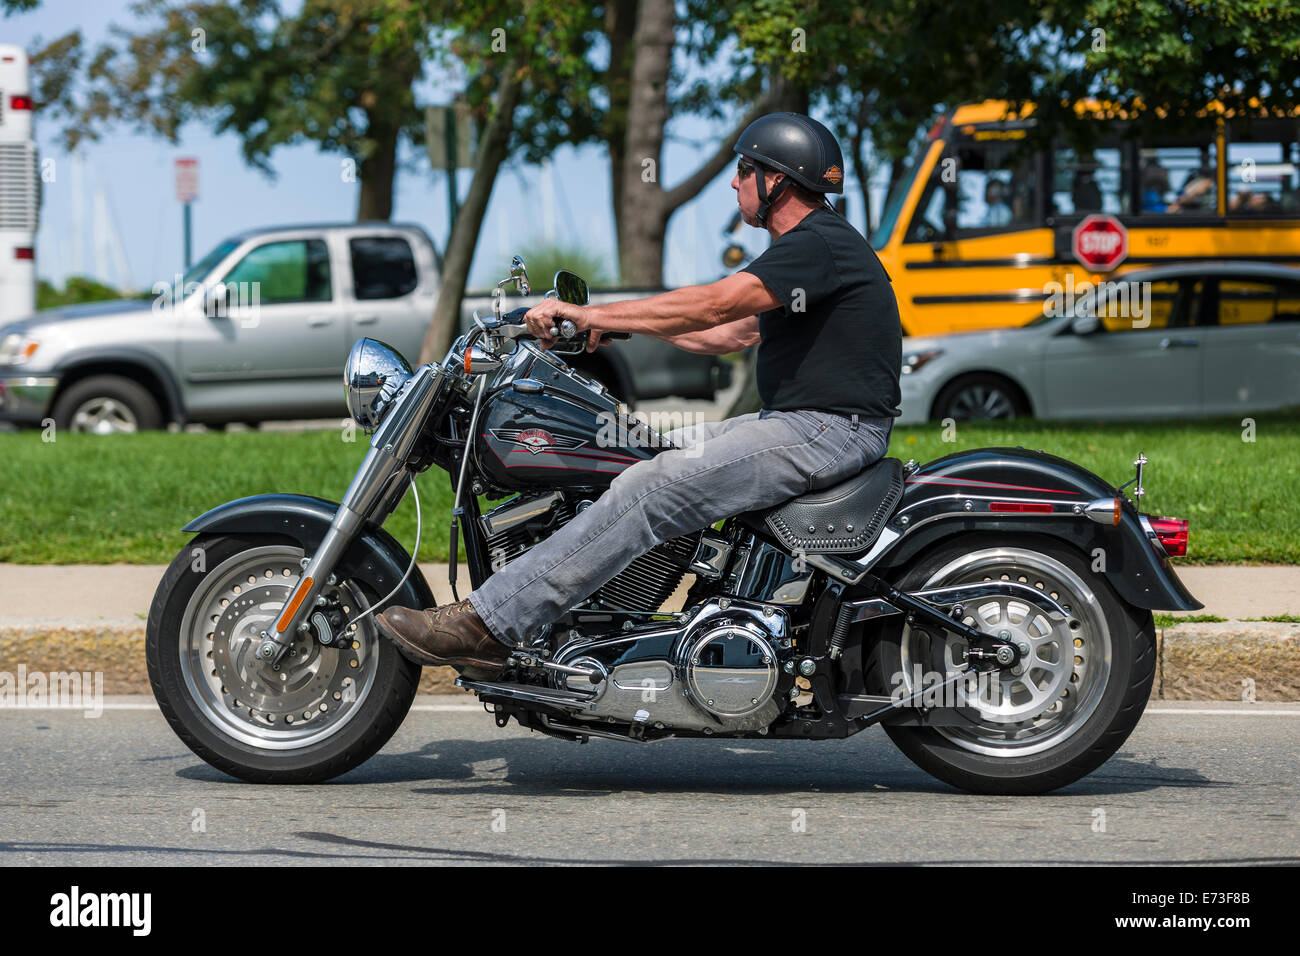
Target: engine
722 675
514 527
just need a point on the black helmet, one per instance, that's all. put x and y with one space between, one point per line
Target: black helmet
796 145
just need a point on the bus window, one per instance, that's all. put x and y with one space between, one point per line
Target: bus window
894 205
1093 181
993 184
1263 179
1179 180
1255 301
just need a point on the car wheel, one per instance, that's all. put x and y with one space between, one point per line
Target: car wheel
106 405
980 397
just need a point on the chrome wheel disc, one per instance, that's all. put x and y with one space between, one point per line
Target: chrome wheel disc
982 401
104 416
316 690
1064 667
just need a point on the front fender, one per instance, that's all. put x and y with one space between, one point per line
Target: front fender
375 557
936 498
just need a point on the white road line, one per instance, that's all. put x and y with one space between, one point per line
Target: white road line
144 706
1226 712
475 708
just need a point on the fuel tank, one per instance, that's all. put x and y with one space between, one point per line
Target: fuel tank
544 424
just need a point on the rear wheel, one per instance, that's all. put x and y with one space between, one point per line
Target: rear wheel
323 711
1064 711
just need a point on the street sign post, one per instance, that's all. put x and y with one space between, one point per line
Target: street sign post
187 190
449 140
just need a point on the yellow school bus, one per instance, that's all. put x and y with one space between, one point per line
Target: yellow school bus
980 227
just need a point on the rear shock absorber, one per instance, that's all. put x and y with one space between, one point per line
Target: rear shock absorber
841 632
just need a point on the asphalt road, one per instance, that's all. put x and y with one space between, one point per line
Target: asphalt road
1218 784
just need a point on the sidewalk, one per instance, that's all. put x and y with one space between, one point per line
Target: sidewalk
118 591
92 618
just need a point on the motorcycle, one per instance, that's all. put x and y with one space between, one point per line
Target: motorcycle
991 609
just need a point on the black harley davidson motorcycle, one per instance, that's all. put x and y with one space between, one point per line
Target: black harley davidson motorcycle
992 609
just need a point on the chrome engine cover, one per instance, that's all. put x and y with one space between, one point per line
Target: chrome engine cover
722 676
729 668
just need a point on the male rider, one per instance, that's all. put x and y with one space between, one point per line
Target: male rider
819 305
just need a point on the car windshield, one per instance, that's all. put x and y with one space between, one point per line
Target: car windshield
196 272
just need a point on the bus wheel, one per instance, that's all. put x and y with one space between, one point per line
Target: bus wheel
106 405
981 396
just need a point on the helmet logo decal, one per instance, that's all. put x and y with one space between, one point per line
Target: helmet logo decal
833 175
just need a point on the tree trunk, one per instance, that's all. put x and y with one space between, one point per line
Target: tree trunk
492 152
865 170
620 24
644 218
377 171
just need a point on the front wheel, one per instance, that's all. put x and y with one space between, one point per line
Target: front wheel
1057 716
323 711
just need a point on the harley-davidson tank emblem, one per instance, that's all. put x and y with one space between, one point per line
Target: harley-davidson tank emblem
537 439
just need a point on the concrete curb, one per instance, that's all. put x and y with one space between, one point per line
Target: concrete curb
115 648
1235 660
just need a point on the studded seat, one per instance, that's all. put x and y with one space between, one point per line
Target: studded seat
847 517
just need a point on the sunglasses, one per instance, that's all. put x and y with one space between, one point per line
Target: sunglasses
744 168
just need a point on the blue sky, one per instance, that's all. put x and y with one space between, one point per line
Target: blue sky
135 173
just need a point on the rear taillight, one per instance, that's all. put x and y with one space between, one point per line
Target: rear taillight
24 252
1172 533
20 102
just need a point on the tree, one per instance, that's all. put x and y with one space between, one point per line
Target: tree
531 83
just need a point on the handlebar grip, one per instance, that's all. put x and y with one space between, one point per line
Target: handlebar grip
567 329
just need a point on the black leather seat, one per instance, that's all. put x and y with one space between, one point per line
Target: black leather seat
847 517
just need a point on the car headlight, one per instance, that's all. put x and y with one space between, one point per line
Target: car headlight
913 361
17 348
373 376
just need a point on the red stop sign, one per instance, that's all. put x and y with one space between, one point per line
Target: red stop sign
1100 243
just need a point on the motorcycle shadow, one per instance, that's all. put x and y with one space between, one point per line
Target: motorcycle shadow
533 766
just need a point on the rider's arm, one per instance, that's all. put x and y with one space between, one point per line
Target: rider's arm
719 340
689 309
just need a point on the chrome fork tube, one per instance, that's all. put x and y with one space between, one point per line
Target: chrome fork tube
375 483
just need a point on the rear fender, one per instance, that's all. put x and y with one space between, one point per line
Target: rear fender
959 493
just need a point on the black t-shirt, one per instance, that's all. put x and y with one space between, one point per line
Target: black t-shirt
836 344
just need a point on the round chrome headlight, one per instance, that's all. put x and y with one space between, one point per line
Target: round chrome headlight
375 373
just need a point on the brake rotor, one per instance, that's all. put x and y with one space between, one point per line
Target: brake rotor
309 679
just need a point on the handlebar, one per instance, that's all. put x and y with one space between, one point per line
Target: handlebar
514 328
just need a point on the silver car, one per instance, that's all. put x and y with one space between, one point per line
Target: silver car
1185 340
260 328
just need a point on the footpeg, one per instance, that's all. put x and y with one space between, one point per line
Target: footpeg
530 693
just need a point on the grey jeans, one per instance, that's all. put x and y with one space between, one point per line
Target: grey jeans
717 470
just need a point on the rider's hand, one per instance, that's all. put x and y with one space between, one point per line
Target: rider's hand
548 314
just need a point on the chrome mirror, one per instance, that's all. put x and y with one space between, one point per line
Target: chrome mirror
519 276
572 288
519 273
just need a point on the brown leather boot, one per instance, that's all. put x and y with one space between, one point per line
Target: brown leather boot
451 634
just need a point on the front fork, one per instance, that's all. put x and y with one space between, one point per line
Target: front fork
376 490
